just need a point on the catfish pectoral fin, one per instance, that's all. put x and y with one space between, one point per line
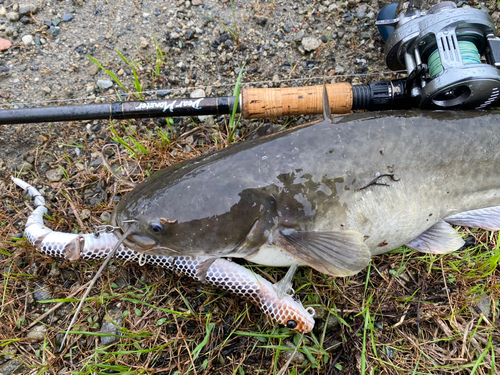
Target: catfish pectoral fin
485 218
336 253
441 238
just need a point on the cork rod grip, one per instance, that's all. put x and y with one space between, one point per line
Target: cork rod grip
261 103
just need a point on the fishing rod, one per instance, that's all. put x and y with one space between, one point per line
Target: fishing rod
451 56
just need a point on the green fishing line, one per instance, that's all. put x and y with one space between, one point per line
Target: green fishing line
468 52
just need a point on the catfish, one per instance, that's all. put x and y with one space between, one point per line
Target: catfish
330 195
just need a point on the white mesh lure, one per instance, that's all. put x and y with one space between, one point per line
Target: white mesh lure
222 273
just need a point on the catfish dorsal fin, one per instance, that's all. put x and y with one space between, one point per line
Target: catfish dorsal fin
441 238
327 110
336 253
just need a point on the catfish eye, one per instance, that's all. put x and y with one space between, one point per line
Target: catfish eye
291 324
155 227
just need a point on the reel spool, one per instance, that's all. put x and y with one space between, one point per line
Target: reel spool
451 55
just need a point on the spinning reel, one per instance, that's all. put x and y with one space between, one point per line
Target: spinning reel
451 54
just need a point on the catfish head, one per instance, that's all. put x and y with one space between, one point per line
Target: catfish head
188 211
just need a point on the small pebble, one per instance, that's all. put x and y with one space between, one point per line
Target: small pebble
38 332
106 216
112 325
27 10
295 356
189 34
25 19
5 44
299 36
163 93
361 11
42 292
199 93
339 70
85 214
80 166
311 43
96 162
54 30
24 166
144 42
67 17
104 84
14 366
484 305
94 69
54 175
13 16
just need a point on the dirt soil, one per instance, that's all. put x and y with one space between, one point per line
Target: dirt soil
203 44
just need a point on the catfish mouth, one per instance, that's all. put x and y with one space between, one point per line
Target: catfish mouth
135 240
140 242
143 244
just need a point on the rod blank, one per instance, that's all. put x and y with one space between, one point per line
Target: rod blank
118 111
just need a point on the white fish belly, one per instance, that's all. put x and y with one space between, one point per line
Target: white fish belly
270 255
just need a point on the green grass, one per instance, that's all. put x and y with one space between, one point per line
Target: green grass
137 84
234 32
159 60
130 142
233 123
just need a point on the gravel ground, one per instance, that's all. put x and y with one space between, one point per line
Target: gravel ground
281 43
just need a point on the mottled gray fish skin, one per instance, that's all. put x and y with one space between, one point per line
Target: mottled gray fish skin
314 179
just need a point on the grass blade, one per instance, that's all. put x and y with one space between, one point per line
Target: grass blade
236 93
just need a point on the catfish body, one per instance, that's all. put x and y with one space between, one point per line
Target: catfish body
329 195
